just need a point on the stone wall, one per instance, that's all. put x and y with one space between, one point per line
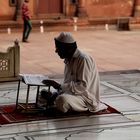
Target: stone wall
6 11
109 8
93 8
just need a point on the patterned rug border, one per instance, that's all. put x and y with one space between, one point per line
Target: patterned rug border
9 115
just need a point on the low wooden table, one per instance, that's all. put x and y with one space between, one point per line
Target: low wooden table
30 80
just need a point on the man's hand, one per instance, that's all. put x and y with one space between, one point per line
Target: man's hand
52 83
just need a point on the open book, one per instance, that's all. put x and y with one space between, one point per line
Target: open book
33 79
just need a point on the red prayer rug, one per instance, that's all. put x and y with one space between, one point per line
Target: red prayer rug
9 115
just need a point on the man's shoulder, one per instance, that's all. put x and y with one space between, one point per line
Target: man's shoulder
79 53
84 55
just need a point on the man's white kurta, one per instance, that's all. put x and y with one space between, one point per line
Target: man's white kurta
81 79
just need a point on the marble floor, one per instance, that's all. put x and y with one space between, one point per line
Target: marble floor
120 89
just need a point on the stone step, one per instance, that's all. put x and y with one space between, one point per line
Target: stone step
46 23
57 23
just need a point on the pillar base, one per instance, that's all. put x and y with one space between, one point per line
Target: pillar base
19 18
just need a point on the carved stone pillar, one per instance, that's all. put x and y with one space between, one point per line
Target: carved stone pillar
81 8
137 9
18 10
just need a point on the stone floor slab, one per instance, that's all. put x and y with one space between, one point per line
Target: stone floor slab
123 103
109 126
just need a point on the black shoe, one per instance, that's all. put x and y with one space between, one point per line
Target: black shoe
50 97
26 41
46 95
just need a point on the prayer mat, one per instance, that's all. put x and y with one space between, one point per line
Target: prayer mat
8 114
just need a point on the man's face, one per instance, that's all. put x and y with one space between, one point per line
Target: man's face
60 52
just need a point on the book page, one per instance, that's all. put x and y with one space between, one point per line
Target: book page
34 79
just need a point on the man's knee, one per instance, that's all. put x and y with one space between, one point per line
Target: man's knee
62 104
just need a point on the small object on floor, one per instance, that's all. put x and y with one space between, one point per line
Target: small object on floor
33 111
